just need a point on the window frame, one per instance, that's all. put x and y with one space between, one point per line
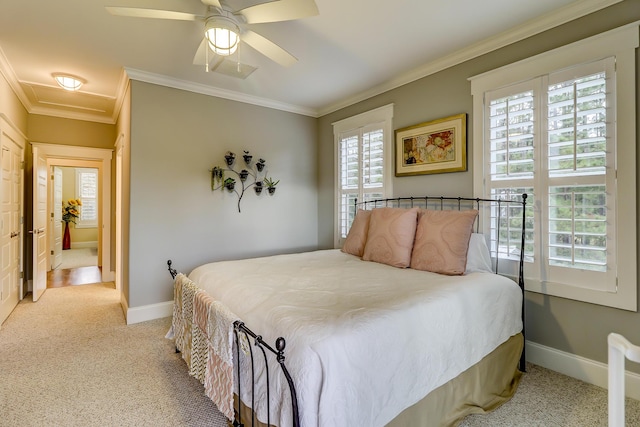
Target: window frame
621 44
353 125
81 223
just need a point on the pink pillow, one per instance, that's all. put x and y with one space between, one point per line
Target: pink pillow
390 237
442 241
357 237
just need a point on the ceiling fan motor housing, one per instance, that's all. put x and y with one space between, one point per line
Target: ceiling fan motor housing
223 34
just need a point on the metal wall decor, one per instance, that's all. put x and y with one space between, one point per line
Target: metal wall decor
253 175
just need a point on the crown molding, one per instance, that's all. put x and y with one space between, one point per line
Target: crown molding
543 23
553 19
171 82
55 112
10 76
121 92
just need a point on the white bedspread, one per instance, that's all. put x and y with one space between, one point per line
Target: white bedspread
364 340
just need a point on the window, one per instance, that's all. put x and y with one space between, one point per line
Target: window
363 163
87 192
553 137
559 127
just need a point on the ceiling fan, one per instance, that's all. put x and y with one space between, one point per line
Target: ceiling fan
224 28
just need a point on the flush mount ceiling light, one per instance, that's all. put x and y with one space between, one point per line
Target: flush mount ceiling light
223 35
68 82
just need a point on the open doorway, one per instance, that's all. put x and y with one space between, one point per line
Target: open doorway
80 160
74 206
74 192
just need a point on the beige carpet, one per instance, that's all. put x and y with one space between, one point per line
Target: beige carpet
548 399
70 360
80 257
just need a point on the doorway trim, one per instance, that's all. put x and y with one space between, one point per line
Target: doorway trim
53 152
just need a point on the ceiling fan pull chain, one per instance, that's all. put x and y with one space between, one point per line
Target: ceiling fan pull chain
238 57
206 59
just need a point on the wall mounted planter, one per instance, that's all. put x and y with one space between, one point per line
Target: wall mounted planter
252 175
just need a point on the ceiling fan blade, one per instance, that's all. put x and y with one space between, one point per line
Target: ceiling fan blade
200 58
281 10
215 3
152 13
268 48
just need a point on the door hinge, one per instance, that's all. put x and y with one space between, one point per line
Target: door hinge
51 252
51 214
21 274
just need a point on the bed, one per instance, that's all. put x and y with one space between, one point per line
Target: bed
372 337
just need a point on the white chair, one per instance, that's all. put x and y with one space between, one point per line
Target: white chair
619 349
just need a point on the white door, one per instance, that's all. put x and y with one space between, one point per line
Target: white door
56 217
11 234
39 273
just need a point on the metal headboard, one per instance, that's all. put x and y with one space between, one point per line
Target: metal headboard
456 203
461 203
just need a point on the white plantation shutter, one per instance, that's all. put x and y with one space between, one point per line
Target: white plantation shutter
580 174
361 170
577 125
561 126
552 138
363 163
349 172
87 192
511 131
373 157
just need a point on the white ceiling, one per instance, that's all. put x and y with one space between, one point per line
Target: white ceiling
351 50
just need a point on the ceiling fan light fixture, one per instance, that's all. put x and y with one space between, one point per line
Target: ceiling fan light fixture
68 82
223 35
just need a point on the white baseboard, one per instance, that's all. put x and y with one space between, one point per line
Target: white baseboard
578 367
147 312
78 245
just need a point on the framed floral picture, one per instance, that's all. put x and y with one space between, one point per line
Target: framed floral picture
433 147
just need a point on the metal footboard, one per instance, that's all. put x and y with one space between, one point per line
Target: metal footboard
241 330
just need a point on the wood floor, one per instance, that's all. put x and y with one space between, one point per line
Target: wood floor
74 276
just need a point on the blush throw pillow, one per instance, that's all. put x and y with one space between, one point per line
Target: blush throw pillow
357 237
442 241
390 237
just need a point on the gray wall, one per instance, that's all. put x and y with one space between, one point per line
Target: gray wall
176 138
570 326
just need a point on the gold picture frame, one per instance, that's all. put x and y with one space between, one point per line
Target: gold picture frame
437 146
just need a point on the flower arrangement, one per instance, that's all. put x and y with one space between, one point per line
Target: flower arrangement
70 212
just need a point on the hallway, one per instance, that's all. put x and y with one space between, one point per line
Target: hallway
74 276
